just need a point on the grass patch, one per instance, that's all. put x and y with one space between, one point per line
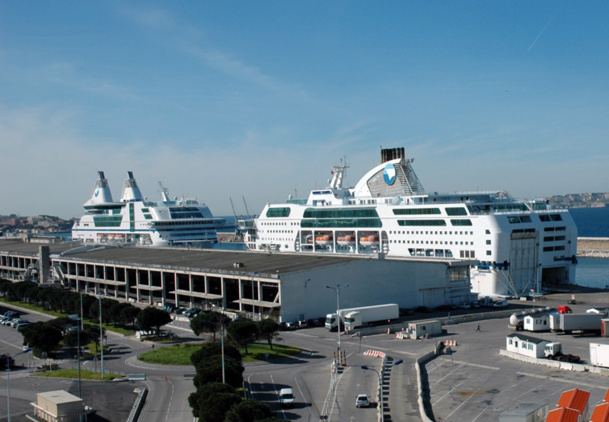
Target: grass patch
171 355
180 354
73 373
258 351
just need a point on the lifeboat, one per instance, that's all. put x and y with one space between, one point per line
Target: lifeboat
370 240
325 239
346 240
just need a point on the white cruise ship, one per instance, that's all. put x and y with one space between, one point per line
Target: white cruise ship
516 247
133 219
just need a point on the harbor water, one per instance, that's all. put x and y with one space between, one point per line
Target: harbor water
592 222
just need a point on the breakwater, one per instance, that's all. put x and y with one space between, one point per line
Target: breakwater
593 247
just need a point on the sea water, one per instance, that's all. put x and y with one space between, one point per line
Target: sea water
592 222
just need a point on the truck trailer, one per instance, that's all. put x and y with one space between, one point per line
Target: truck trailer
599 354
365 315
576 322
371 315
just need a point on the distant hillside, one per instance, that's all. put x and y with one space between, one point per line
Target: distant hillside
580 200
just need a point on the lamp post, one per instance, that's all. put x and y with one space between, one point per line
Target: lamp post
337 290
8 380
101 337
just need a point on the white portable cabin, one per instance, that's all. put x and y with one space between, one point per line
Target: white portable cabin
424 328
525 345
537 322
526 412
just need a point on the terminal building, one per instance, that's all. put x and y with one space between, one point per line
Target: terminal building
285 287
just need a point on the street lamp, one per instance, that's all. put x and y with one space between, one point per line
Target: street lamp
8 380
337 290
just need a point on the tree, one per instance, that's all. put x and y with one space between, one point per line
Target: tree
129 314
92 333
208 322
153 317
70 339
211 401
42 337
269 330
211 349
243 332
248 411
210 370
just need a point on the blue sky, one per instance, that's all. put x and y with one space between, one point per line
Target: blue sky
257 99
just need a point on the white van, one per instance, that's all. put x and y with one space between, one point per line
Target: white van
286 397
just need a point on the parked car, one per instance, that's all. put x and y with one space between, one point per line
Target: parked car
362 400
22 325
17 321
290 325
500 304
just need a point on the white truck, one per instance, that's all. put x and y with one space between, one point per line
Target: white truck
599 354
365 315
553 351
370 315
580 322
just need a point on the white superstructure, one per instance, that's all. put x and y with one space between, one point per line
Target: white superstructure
134 220
515 246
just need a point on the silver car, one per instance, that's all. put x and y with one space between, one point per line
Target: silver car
362 400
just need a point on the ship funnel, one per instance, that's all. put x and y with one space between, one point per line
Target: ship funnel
131 192
101 193
389 154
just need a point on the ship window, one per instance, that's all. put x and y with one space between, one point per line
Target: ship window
525 219
456 211
513 220
488 242
278 212
556 217
466 222
544 217
416 211
421 223
488 253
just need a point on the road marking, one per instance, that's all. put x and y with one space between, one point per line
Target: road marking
564 381
170 398
447 393
462 403
476 365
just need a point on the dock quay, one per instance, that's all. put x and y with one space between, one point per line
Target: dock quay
593 247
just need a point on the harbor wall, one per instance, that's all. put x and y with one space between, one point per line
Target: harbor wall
594 247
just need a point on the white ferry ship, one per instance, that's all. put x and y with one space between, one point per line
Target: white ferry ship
133 219
516 247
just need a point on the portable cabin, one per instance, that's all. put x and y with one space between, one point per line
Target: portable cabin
56 406
424 329
537 322
526 412
525 345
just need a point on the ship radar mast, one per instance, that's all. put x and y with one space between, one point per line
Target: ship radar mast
338 174
164 193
